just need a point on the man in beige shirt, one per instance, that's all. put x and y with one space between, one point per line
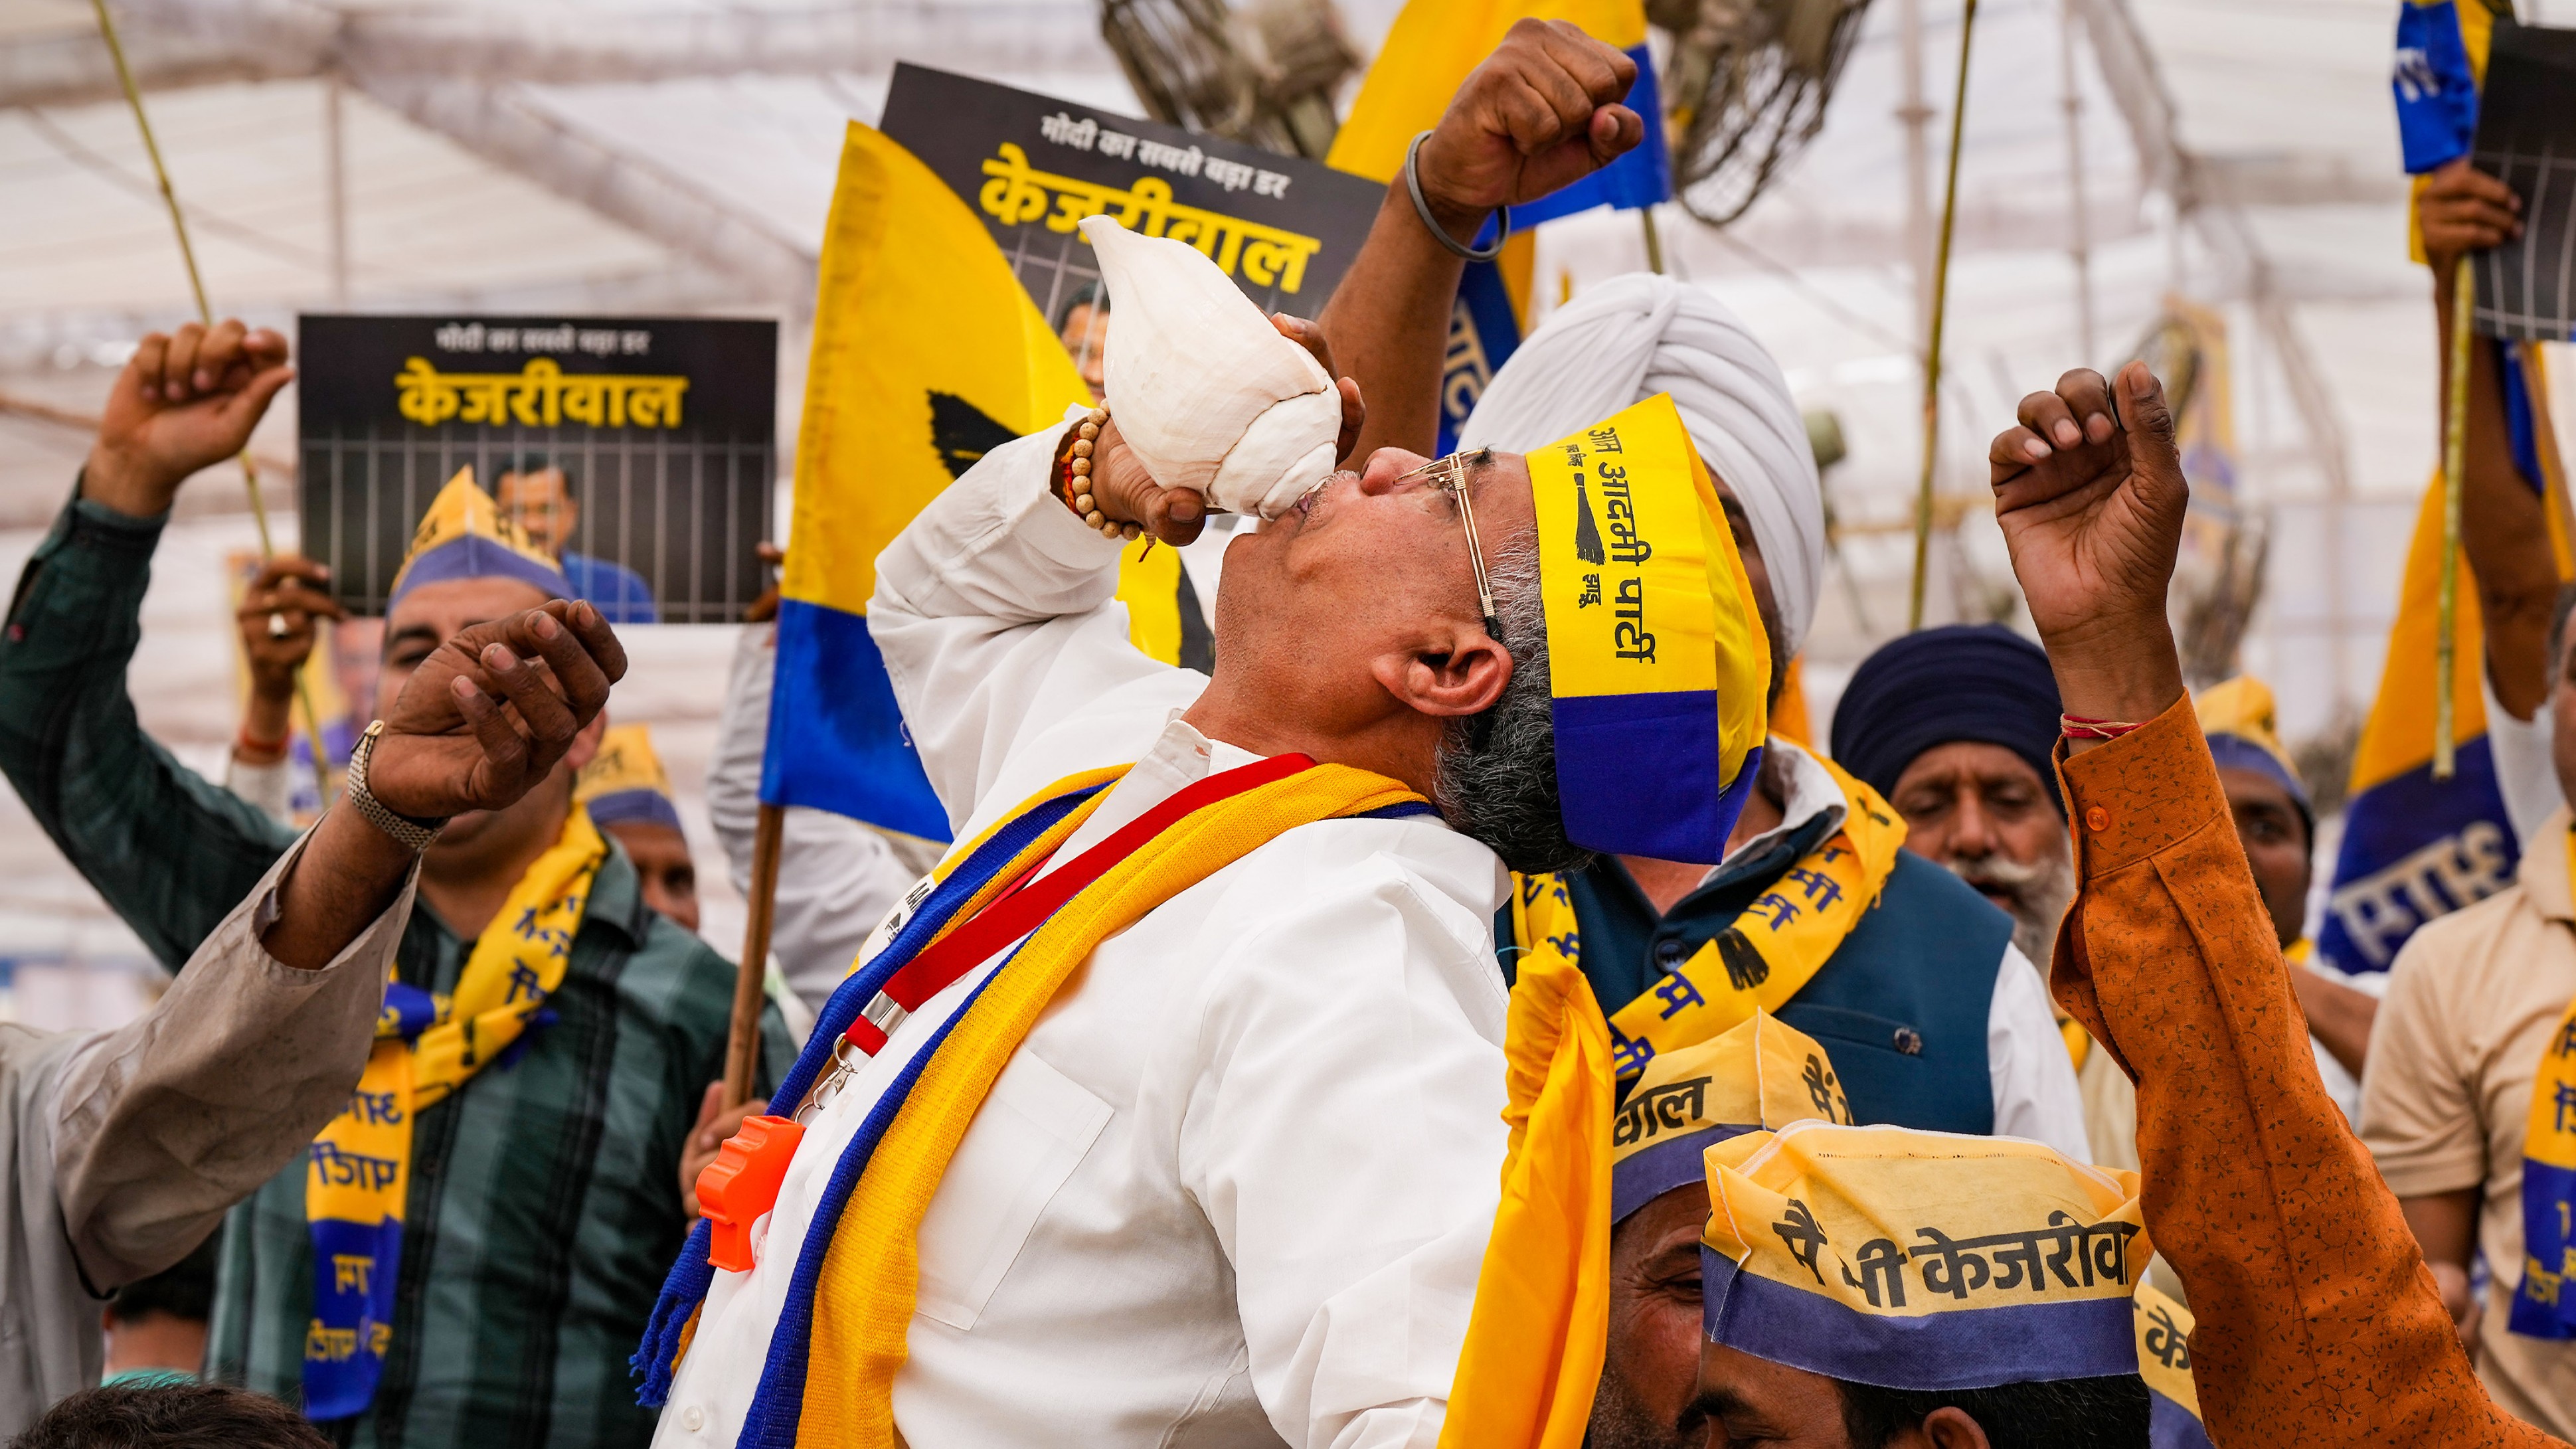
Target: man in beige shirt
2472 1002
125 1148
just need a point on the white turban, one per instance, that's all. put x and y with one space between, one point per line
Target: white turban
1634 336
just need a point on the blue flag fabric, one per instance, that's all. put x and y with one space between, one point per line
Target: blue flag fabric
2437 92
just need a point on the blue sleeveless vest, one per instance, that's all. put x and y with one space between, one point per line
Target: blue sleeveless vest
1902 1004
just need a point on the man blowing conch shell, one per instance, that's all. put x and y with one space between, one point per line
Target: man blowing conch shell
1168 1109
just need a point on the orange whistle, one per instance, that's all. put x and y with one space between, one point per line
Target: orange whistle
742 1183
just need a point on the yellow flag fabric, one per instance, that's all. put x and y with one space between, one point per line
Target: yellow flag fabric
1149 584
1657 660
1428 53
2398 736
920 334
927 353
1541 1321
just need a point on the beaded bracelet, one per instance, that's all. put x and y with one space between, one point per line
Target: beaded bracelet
2077 727
1074 484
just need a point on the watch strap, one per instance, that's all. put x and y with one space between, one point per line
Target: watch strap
416 834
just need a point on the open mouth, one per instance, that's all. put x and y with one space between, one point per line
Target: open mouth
1307 501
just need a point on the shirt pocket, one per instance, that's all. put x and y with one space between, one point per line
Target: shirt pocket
1033 1130
1842 1030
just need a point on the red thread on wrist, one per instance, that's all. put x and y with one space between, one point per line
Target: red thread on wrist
2077 727
247 743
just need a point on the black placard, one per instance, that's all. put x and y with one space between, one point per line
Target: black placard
1033 166
663 429
2527 138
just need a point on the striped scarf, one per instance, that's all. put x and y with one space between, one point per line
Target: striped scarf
840 1337
426 1047
2541 1306
1775 946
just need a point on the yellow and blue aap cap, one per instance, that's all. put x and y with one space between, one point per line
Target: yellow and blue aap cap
624 783
1656 653
2164 1361
1759 1073
464 536
1920 1260
2238 717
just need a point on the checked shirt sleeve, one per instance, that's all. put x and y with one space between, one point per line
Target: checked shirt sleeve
171 852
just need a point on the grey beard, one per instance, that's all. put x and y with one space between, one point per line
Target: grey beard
2040 895
1494 775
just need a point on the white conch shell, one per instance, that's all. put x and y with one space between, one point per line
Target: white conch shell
1205 390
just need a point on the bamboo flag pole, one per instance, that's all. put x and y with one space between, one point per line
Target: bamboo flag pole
1940 313
742 1047
2455 456
206 316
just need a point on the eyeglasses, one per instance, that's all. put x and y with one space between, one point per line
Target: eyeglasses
1450 475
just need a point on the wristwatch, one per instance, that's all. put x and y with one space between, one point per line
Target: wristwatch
414 833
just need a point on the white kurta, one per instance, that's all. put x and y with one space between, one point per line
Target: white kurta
1236 1185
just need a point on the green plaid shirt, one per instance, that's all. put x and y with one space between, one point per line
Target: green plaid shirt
544 1200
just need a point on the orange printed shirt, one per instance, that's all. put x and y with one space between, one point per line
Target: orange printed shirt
2318 1322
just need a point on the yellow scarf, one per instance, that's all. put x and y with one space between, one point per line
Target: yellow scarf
870 1271
426 1047
1541 1320
1774 948
2540 1308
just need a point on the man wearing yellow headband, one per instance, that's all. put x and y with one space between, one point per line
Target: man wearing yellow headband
1875 1286
467 1251
1226 1172
1762 1074
1940 1018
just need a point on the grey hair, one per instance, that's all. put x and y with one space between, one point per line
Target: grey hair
1494 774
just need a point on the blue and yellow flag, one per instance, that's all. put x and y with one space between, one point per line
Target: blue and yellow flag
2415 847
1428 54
927 353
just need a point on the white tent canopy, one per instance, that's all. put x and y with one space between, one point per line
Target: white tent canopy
661 156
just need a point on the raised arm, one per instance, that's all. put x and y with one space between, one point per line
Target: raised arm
2503 526
171 853
2318 1323
164 1124
1541 112
995 616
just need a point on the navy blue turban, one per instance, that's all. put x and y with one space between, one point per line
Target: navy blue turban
1980 683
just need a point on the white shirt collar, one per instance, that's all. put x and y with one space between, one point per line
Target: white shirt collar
1812 792
1181 757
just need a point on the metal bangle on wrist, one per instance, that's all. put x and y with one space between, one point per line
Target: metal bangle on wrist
1422 209
416 834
